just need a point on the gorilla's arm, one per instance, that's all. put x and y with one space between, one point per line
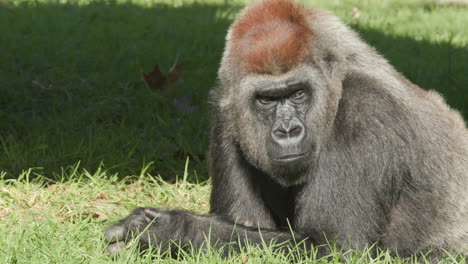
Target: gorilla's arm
233 193
238 213
159 227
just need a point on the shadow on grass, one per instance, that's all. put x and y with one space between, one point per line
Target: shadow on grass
441 67
71 88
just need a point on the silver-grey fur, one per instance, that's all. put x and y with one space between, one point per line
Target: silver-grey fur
380 135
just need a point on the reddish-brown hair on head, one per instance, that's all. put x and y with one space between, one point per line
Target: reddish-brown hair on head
271 36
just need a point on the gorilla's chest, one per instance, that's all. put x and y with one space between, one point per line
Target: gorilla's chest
278 199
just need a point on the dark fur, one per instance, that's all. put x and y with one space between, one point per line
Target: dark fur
388 165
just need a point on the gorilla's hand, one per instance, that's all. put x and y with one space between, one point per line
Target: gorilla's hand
160 228
153 226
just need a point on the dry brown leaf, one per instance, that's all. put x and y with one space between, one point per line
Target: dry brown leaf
96 215
174 74
155 79
101 196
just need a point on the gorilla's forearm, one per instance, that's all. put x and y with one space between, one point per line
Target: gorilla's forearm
221 231
158 227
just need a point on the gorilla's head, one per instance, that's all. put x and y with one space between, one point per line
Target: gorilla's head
280 89
282 121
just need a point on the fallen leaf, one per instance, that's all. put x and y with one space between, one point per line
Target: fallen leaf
155 79
95 215
174 74
102 196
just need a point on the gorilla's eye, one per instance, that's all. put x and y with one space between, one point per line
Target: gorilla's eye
265 100
298 94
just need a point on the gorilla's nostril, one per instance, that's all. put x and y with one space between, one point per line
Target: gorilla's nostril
280 133
295 131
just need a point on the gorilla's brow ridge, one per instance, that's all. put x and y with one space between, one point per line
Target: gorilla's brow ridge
279 89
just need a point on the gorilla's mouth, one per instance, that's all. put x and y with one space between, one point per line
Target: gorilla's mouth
291 157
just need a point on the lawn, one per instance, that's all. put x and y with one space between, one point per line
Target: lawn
83 139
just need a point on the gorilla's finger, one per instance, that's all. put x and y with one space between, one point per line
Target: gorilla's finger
115 248
115 233
152 213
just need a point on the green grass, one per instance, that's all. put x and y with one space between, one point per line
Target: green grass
63 222
74 108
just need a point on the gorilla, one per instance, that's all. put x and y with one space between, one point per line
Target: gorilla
315 137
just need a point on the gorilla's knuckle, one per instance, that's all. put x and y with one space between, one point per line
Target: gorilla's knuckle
115 233
115 248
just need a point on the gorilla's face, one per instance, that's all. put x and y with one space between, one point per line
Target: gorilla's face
282 107
282 121
269 114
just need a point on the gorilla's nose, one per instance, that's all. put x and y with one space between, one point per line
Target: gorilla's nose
286 131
